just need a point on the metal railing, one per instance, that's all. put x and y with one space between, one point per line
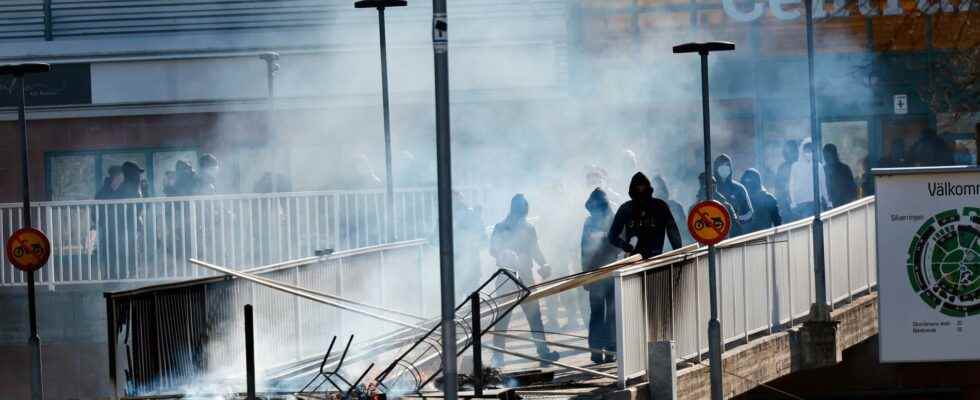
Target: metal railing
181 337
766 282
151 239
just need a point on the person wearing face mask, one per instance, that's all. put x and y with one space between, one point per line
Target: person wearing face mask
514 245
596 253
801 183
733 191
702 190
645 218
766 209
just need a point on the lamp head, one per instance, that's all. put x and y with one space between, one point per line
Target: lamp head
24 69
704 47
379 3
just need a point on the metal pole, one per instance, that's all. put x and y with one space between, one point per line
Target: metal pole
714 327
389 182
477 348
820 280
37 391
249 353
440 47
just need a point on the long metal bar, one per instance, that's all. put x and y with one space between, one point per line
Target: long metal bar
334 297
440 48
816 138
389 181
302 294
714 326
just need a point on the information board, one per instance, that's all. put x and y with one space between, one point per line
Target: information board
928 230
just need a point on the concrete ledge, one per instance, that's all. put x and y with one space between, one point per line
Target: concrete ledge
767 358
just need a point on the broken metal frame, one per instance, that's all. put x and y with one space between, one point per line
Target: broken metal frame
336 371
524 293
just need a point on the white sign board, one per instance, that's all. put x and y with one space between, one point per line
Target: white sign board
901 104
928 224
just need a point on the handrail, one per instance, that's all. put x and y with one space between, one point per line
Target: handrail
693 250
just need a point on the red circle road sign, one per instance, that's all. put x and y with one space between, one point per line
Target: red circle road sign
28 249
709 222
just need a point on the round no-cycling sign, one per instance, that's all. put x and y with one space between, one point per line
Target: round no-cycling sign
28 249
709 222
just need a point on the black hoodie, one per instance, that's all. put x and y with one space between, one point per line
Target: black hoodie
733 191
596 249
646 218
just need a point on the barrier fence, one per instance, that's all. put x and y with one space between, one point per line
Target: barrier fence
151 239
181 337
765 282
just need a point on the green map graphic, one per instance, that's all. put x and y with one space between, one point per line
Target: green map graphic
944 262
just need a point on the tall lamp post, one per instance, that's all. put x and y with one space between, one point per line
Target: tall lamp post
714 326
271 59
440 50
18 71
820 311
389 183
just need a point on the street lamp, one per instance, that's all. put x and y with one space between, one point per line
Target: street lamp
389 184
820 311
18 71
271 59
714 327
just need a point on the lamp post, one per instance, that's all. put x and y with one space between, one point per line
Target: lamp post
820 311
440 49
714 326
18 71
271 59
389 184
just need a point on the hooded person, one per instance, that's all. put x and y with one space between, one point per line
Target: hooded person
764 204
801 182
702 190
661 192
645 218
514 245
841 187
185 179
597 251
733 191
469 240
207 183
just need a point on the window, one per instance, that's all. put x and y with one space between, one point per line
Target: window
78 175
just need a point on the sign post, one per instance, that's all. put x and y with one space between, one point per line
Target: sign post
714 327
928 251
709 222
18 71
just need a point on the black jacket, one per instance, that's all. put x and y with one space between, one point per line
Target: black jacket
646 218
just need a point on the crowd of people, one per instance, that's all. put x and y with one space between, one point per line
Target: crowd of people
647 218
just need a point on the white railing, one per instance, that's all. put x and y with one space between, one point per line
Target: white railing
151 239
765 279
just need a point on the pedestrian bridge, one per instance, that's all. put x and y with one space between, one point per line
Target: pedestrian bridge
165 338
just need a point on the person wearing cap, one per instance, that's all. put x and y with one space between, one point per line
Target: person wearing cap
110 184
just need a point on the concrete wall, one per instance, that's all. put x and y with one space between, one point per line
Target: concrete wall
72 327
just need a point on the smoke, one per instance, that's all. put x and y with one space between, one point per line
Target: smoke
538 99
